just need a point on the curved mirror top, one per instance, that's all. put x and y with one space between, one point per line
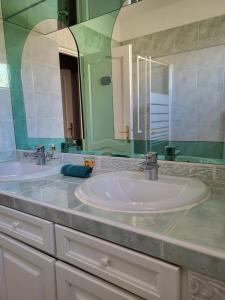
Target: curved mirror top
50 81
68 12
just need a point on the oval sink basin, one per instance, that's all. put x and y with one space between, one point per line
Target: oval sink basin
18 171
130 192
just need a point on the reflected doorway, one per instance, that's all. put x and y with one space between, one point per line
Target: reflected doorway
71 98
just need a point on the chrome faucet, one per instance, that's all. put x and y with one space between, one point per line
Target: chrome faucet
40 155
151 166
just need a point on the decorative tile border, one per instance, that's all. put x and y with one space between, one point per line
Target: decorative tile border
4 156
172 169
205 172
204 288
25 155
220 174
115 164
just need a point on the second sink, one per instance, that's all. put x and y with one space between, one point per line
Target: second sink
129 192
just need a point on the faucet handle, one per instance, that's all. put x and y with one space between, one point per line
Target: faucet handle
151 157
40 148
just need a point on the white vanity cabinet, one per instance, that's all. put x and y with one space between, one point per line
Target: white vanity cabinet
74 284
139 274
25 273
77 267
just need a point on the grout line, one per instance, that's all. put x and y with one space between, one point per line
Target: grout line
35 188
170 229
67 181
214 173
79 206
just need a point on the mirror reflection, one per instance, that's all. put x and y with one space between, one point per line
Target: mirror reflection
159 86
27 13
51 86
175 66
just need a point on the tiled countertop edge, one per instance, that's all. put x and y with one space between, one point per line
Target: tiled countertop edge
199 259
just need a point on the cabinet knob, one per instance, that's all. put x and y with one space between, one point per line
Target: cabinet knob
105 262
15 225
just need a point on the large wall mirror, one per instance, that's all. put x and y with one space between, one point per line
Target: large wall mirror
147 77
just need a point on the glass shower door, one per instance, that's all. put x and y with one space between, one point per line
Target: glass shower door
159 106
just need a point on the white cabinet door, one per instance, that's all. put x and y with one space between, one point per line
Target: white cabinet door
25 274
73 284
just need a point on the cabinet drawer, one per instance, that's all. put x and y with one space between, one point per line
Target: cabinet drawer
29 229
142 275
73 284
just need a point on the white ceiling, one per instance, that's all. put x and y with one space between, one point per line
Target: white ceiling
149 16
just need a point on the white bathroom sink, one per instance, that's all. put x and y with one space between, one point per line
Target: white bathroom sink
130 192
18 171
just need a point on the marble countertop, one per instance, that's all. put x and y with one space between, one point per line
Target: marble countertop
193 238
